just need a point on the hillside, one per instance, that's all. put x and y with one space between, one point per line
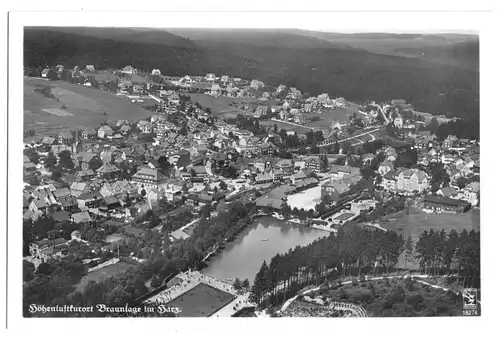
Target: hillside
51 107
275 57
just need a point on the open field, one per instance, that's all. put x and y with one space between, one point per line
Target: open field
102 76
103 273
201 301
414 224
338 115
218 105
72 106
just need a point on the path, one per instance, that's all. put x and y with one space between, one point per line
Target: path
332 141
294 124
290 301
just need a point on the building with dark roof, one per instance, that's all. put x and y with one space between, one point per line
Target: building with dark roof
441 204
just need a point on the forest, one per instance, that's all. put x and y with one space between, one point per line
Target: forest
360 252
355 74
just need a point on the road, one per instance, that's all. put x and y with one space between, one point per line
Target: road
331 141
294 124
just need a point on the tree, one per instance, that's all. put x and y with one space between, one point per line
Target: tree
260 287
408 248
223 185
65 160
33 157
314 149
155 281
461 182
56 175
50 161
245 284
237 284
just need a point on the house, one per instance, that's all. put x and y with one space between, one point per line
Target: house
298 177
68 202
385 167
256 84
440 204
334 190
313 163
65 137
104 131
398 122
82 217
398 102
156 72
110 202
108 171
263 178
48 73
129 70
77 188
38 205
307 107
62 192
60 216
210 77
412 180
48 141
261 111
44 249
150 178
88 133
89 199
286 165
341 171
90 67
145 126
215 90
267 149
224 78
450 141
271 202
89 160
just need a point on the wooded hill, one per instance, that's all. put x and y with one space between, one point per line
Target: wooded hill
275 57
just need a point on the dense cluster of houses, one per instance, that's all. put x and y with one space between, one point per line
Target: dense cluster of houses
198 160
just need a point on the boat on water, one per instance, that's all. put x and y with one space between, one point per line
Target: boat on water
263 239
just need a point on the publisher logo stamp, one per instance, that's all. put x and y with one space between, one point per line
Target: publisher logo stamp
469 296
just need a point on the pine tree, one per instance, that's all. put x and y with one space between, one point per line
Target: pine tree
408 248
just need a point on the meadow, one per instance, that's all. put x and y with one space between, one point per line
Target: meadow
58 105
103 274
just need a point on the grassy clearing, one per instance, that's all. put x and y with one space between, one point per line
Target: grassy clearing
103 273
88 106
218 105
414 224
102 76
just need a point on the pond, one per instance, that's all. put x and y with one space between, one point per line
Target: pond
243 257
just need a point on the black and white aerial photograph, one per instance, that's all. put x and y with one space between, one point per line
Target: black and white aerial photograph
215 171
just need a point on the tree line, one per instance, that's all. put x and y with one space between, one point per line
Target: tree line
357 251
